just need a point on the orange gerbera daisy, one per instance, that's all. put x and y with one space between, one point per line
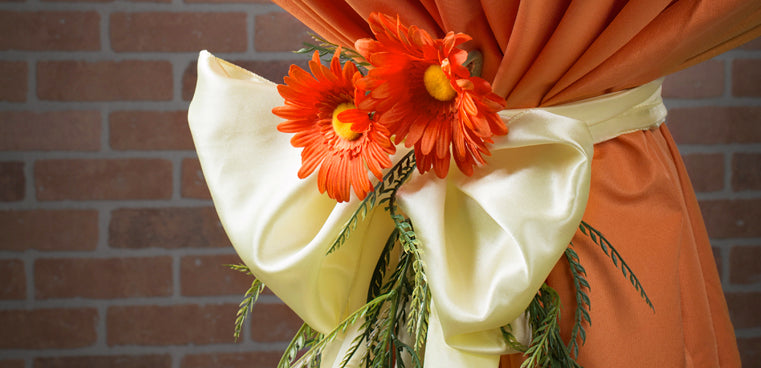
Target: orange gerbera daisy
341 139
427 97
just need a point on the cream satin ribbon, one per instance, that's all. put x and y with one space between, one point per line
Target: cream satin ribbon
489 240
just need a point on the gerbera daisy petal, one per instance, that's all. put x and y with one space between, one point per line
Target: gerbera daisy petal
417 128
426 97
339 140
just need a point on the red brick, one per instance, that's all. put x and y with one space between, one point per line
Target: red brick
113 361
193 182
273 70
279 32
64 230
12 273
706 171
13 81
750 351
745 265
273 323
208 275
48 328
94 179
116 277
50 131
746 77
700 81
133 80
12 181
743 309
746 171
165 31
12 364
170 325
79 1
259 359
715 125
732 218
49 31
190 227
150 130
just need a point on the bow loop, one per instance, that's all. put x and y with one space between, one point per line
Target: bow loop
490 240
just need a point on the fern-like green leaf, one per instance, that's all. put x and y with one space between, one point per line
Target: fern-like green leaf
245 306
511 340
240 268
546 348
616 258
342 327
326 49
391 182
304 338
379 274
581 316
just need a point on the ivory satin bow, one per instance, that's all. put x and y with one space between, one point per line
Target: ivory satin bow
488 241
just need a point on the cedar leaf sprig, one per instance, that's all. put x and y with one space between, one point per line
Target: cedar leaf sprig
578 274
600 240
417 320
305 338
391 182
327 49
249 299
546 348
316 349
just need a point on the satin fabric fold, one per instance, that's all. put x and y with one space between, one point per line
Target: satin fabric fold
279 225
488 241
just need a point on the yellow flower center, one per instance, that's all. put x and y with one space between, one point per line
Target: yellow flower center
344 129
437 84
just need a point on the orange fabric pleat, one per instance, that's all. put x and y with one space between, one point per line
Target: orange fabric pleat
643 202
541 53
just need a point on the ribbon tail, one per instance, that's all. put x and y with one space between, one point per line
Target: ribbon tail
490 240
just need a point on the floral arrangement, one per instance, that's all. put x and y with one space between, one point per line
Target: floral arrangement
405 87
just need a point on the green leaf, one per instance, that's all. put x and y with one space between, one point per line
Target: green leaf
393 179
245 306
583 306
616 258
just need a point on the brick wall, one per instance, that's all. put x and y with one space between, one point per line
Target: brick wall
110 251
715 116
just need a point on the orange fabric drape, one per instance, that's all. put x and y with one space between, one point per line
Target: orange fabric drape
548 52
541 53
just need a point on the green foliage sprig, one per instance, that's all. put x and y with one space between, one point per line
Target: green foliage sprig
409 297
326 49
305 338
600 240
547 348
249 299
319 345
583 306
390 184
511 340
419 309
